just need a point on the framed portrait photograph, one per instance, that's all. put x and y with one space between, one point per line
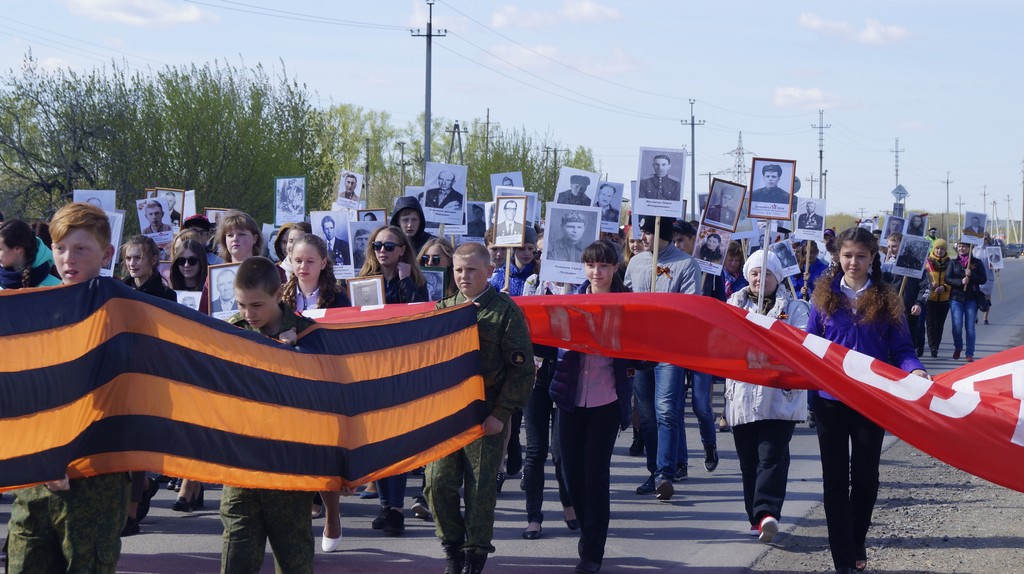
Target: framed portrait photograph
221 288
189 299
435 282
710 248
784 251
332 227
994 256
725 201
175 200
507 179
510 221
772 183
575 187
289 200
214 213
350 189
893 224
912 256
155 219
532 213
444 196
378 216
810 219
105 199
366 291
660 176
476 221
359 233
569 230
608 198
917 224
116 218
973 231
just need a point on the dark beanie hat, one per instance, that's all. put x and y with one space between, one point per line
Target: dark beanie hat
647 224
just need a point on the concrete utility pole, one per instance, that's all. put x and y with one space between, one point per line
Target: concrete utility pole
426 108
693 162
821 149
984 203
945 230
959 212
402 164
487 135
811 179
1011 231
547 150
456 132
366 174
824 181
897 152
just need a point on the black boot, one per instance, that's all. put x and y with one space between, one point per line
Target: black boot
474 563
455 558
637 448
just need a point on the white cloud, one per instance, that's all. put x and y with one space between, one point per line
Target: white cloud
804 98
53 64
140 12
532 59
874 33
574 11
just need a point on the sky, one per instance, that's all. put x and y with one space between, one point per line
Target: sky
942 76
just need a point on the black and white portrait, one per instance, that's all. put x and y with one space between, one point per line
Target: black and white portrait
995 257
366 291
608 198
531 200
105 199
810 219
116 218
772 187
377 215
575 187
175 201
710 248
724 202
189 299
569 229
435 283
155 219
510 221
784 251
507 179
214 213
476 221
660 176
917 224
444 198
350 189
912 255
893 224
359 233
974 227
290 200
332 227
222 290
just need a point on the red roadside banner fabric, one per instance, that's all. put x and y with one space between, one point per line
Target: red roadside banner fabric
970 417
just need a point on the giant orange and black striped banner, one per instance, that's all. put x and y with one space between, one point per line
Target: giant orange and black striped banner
99 378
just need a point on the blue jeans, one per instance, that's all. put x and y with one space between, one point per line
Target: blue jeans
659 392
701 406
963 315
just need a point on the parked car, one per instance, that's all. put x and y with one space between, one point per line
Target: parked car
1012 250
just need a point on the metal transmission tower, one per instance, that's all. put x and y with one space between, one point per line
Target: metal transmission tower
821 149
897 152
693 162
456 133
739 165
426 108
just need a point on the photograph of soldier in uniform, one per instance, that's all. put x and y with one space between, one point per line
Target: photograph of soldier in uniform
290 206
772 186
359 239
809 218
575 187
443 199
784 251
366 291
568 231
350 188
608 198
476 224
660 176
912 255
724 204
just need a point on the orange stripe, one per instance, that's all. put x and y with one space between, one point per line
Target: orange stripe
220 474
44 348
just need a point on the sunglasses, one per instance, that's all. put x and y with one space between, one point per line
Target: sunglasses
432 260
190 260
388 246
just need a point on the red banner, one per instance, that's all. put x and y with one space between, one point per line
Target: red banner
969 417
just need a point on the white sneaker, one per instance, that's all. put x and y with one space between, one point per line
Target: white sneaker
330 544
769 528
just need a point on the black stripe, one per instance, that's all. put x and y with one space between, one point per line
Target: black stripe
31 311
27 392
153 434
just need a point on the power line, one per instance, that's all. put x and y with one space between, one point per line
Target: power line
86 42
297 16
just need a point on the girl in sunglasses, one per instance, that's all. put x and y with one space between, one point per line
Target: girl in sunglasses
438 253
390 255
189 269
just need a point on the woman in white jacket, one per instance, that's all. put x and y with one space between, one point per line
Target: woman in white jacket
763 418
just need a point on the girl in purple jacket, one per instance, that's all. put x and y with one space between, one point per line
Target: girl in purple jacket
854 307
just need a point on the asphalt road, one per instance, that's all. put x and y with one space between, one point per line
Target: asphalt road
703 529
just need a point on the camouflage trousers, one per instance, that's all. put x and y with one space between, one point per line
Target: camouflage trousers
475 468
73 531
251 516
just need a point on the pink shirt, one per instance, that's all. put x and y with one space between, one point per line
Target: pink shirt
596 386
